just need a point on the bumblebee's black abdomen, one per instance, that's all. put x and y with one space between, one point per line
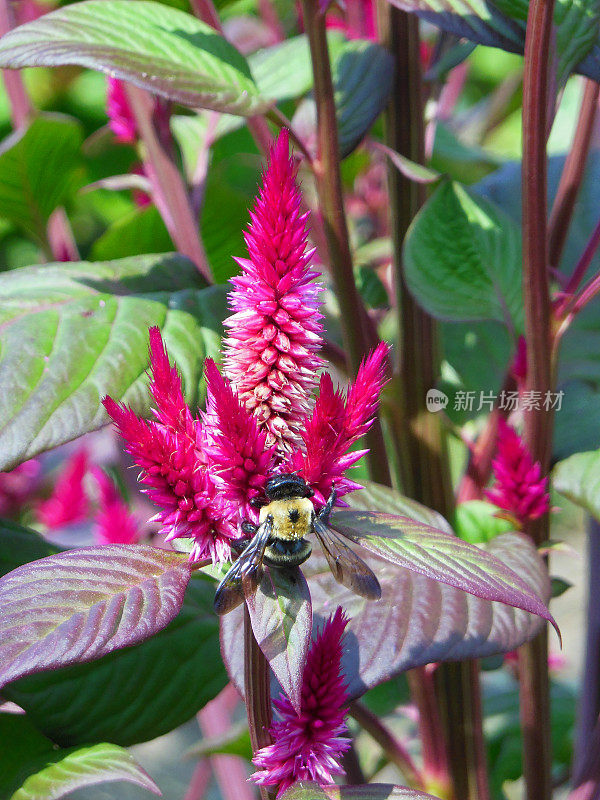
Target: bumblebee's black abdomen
287 552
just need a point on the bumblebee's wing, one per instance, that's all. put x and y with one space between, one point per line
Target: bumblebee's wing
243 577
347 568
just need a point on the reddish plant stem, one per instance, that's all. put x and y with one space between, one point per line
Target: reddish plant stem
533 657
230 771
198 785
572 174
351 766
390 745
168 189
21 107
587 780
60 237
452 737
258 694
564 305
358 330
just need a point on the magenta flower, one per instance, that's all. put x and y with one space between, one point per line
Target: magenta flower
274 335
17 487
114 522
174 469
519 487
68 502
120 116
336 423
309 745
203 472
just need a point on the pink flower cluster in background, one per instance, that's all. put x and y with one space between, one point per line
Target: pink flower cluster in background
519 487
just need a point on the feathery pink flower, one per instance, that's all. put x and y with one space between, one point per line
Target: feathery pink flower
174 467
337 422
120 116
309 746
271 352
114 522
68 502
18 486
235 446
519 488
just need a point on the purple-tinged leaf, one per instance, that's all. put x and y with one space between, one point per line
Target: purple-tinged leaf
370 791
158 48
410 169
281 616
80 605
438 555
417 621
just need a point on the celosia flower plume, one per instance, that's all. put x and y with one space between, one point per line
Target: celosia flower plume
519 487
204 471
113 523
120 116
18 486
68 502
274 335
308 746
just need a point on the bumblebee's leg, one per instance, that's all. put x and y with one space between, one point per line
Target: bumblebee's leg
249 527
324 513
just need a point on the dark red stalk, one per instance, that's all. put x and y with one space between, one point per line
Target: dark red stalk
533 669
358 331
390 745
572 174
419 437
257 682
168 189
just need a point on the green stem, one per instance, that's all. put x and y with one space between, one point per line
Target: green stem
258 694
533 671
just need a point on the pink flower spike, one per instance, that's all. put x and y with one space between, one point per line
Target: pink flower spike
519 487
114 522
165 386
336 424
18 486
68 502
178 482
120 116
309 746
235 447
274 333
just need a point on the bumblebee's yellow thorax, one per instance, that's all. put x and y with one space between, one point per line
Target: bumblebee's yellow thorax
291 518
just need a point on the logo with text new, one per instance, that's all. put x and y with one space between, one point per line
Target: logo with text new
435 400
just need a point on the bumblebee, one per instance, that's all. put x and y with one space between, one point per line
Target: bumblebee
279 540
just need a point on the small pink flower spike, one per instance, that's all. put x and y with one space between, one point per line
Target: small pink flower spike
519 489
114 522
235 447
309 746
174 468
335 425
18 486
68 503
274 334
120 116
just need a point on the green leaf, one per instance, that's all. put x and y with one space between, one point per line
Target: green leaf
362 75
36 171
410 169
20 545
72 333
578 479
475 521
165 679
559 586
34 769
160 49
463 259
141 231
283 71
236 742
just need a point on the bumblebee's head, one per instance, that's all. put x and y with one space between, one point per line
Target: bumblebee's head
286 486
